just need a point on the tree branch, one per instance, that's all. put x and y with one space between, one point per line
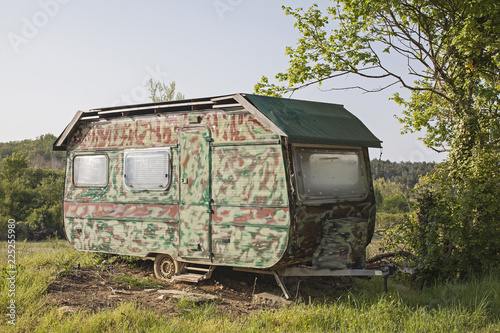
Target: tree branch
389 255
442 150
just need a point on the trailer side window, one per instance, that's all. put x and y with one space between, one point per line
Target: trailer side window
147 169
90 170
325 174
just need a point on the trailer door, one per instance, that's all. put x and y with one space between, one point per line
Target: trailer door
195 198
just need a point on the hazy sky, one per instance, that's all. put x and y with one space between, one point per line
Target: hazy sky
61 56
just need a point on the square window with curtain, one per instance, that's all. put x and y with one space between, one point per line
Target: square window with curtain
90 170
147 169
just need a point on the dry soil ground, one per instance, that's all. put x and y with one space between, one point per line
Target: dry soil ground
97 288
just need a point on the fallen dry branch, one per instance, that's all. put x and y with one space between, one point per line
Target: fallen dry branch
389 255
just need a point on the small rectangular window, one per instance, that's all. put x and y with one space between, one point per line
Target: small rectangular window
147 169
325 174
90 170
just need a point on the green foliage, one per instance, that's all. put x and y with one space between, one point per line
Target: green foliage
38 151
393 202
452 54
455 232
32 197
139 283
396 203
451 50
161 92
407 173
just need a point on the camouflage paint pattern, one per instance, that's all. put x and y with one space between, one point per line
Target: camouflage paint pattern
111 210
249 175
343 242
231 200
121 236
333 235
227 203
195 203
162 130
251 216
249 236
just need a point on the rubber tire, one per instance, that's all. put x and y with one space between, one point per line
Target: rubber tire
165 267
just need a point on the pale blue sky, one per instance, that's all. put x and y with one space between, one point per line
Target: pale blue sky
61 56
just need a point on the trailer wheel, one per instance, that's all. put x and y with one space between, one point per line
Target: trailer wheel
165 267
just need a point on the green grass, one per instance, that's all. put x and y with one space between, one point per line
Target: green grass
139 283
472 306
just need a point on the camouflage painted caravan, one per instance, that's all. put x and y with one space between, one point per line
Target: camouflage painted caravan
258 183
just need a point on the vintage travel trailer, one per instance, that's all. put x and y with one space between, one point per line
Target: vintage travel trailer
264 184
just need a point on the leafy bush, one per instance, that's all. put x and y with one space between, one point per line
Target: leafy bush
32 197
455 231
392 198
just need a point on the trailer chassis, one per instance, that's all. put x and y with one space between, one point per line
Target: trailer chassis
279 274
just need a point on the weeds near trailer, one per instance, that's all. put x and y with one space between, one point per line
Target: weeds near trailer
472 306
138 283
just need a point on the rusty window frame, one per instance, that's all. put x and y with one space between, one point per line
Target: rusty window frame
326 198
77 168
129 174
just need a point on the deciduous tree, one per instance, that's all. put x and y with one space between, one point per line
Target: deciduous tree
161 92
451 55
446 53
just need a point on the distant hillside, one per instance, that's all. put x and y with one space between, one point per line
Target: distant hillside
39 151
406 173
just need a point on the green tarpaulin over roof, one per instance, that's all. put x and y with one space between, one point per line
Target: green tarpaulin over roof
315 122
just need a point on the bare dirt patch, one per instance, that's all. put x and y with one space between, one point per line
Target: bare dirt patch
97 288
